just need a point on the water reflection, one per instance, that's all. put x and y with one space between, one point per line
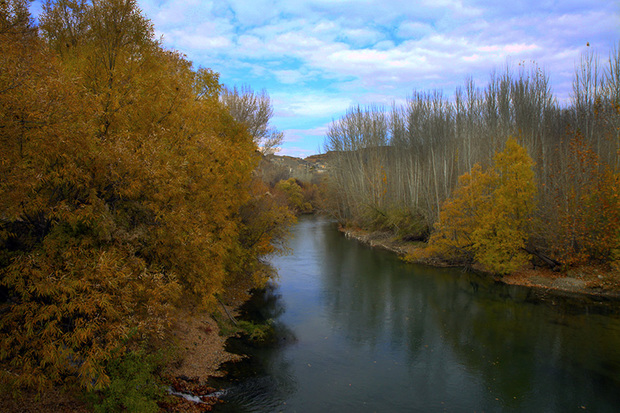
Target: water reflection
372 333
251 386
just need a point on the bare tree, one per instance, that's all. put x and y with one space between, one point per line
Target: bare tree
254 110
406 160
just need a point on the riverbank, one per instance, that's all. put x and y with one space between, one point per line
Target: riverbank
595 282
201 351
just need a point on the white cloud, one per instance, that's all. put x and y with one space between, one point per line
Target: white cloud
309 104
414 29
297 135
199 41
289 77
318 57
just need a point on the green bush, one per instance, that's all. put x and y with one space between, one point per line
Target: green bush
134 386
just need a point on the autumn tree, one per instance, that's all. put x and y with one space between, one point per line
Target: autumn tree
73 287
500 239
294 195
127 184
487 218
265 221
582 223
461 215
430 141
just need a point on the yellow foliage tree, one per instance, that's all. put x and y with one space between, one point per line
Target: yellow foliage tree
74 283
294 195
461 215
500 237
126 185
487 218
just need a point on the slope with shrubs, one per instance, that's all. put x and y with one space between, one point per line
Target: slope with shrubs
127 191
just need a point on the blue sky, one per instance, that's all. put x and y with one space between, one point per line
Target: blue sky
316 58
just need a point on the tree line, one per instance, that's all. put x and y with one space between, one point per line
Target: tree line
128 189
407 167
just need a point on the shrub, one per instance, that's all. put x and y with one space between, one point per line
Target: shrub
133 387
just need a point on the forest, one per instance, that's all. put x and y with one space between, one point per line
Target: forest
133 185
129 189
498 177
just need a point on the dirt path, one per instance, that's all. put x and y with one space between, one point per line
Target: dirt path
202 348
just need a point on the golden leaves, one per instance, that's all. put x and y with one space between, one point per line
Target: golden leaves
122 190
486 219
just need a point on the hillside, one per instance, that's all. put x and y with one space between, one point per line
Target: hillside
310 169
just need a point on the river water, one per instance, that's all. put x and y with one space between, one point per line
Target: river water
358 330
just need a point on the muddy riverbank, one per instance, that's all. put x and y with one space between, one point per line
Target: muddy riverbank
595 282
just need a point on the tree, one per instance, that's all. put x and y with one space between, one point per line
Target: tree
74 283
254 110
499 240
461 215
427 143
487 218
126 185
15 18
582 224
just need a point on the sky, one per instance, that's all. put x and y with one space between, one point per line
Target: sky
317 58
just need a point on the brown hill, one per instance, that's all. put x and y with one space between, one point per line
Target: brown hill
310 169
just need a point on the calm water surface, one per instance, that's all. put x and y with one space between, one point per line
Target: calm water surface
361 331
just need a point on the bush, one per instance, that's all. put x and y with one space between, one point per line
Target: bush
292 190
407 225
134 386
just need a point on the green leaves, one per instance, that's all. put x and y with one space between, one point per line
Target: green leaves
133 384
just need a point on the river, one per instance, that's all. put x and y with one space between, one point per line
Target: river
358 330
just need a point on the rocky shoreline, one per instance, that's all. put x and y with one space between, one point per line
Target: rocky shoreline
593 283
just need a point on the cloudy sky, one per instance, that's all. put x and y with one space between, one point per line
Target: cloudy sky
316 58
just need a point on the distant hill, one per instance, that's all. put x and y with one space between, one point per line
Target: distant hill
310 169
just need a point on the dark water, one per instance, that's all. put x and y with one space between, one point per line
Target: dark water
361 331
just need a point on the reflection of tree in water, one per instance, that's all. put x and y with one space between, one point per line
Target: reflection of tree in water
528 352
522 352
264 304
371 297
251 384
458 334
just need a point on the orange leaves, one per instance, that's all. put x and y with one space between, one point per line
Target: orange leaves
486 219
294 195
490 215
461 214
500 239
126 185
86 312
583 221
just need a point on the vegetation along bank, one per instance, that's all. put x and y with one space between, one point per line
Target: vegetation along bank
139 196
503 178
135 209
